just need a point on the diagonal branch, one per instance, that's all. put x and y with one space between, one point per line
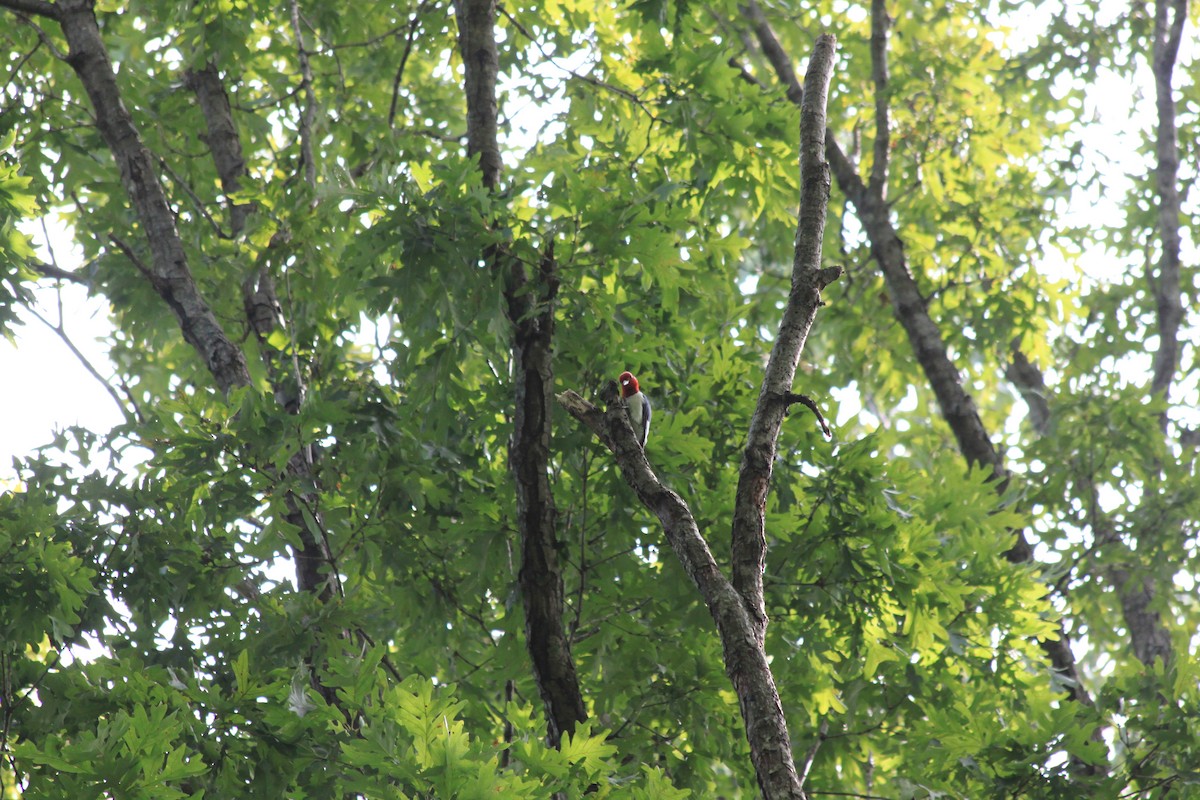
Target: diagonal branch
736 605
956 404
168 269
743 653
57 273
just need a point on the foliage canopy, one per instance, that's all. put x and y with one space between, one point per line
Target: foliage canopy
344 240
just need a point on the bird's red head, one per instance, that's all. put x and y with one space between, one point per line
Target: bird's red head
629 384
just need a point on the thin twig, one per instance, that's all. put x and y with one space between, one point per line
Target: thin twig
804 399
308 113
413 25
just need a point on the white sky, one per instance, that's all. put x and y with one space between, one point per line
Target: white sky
45 386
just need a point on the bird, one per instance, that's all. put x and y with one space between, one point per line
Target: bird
637 404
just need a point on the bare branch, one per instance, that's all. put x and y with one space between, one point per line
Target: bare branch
530 298
413 25
880 22
57 273
308 113
38 8
808 280
1169 18
168 269
811 404
61 332
811 755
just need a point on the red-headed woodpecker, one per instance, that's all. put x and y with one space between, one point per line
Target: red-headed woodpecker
638 405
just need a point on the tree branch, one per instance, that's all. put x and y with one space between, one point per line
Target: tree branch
957 406
530 300
1028 379
742 647
477 45
222 139
57 273
737 605
880 23
1169 18
308 114
811 404
168 270
38 8
409 39
808 279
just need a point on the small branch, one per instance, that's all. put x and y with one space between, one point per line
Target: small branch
805 400
196 201
58 274
308 113
61 333
132 256
38 8
413 25
811 755
16 70
773 50
743 73
599 84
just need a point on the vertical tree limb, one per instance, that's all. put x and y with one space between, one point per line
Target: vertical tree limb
1169 19
1148 638
736 605
308 112
956 404
530 301
477 45
808 279
880 22
222 139
316 572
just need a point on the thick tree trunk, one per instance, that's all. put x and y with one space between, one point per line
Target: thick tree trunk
531 310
